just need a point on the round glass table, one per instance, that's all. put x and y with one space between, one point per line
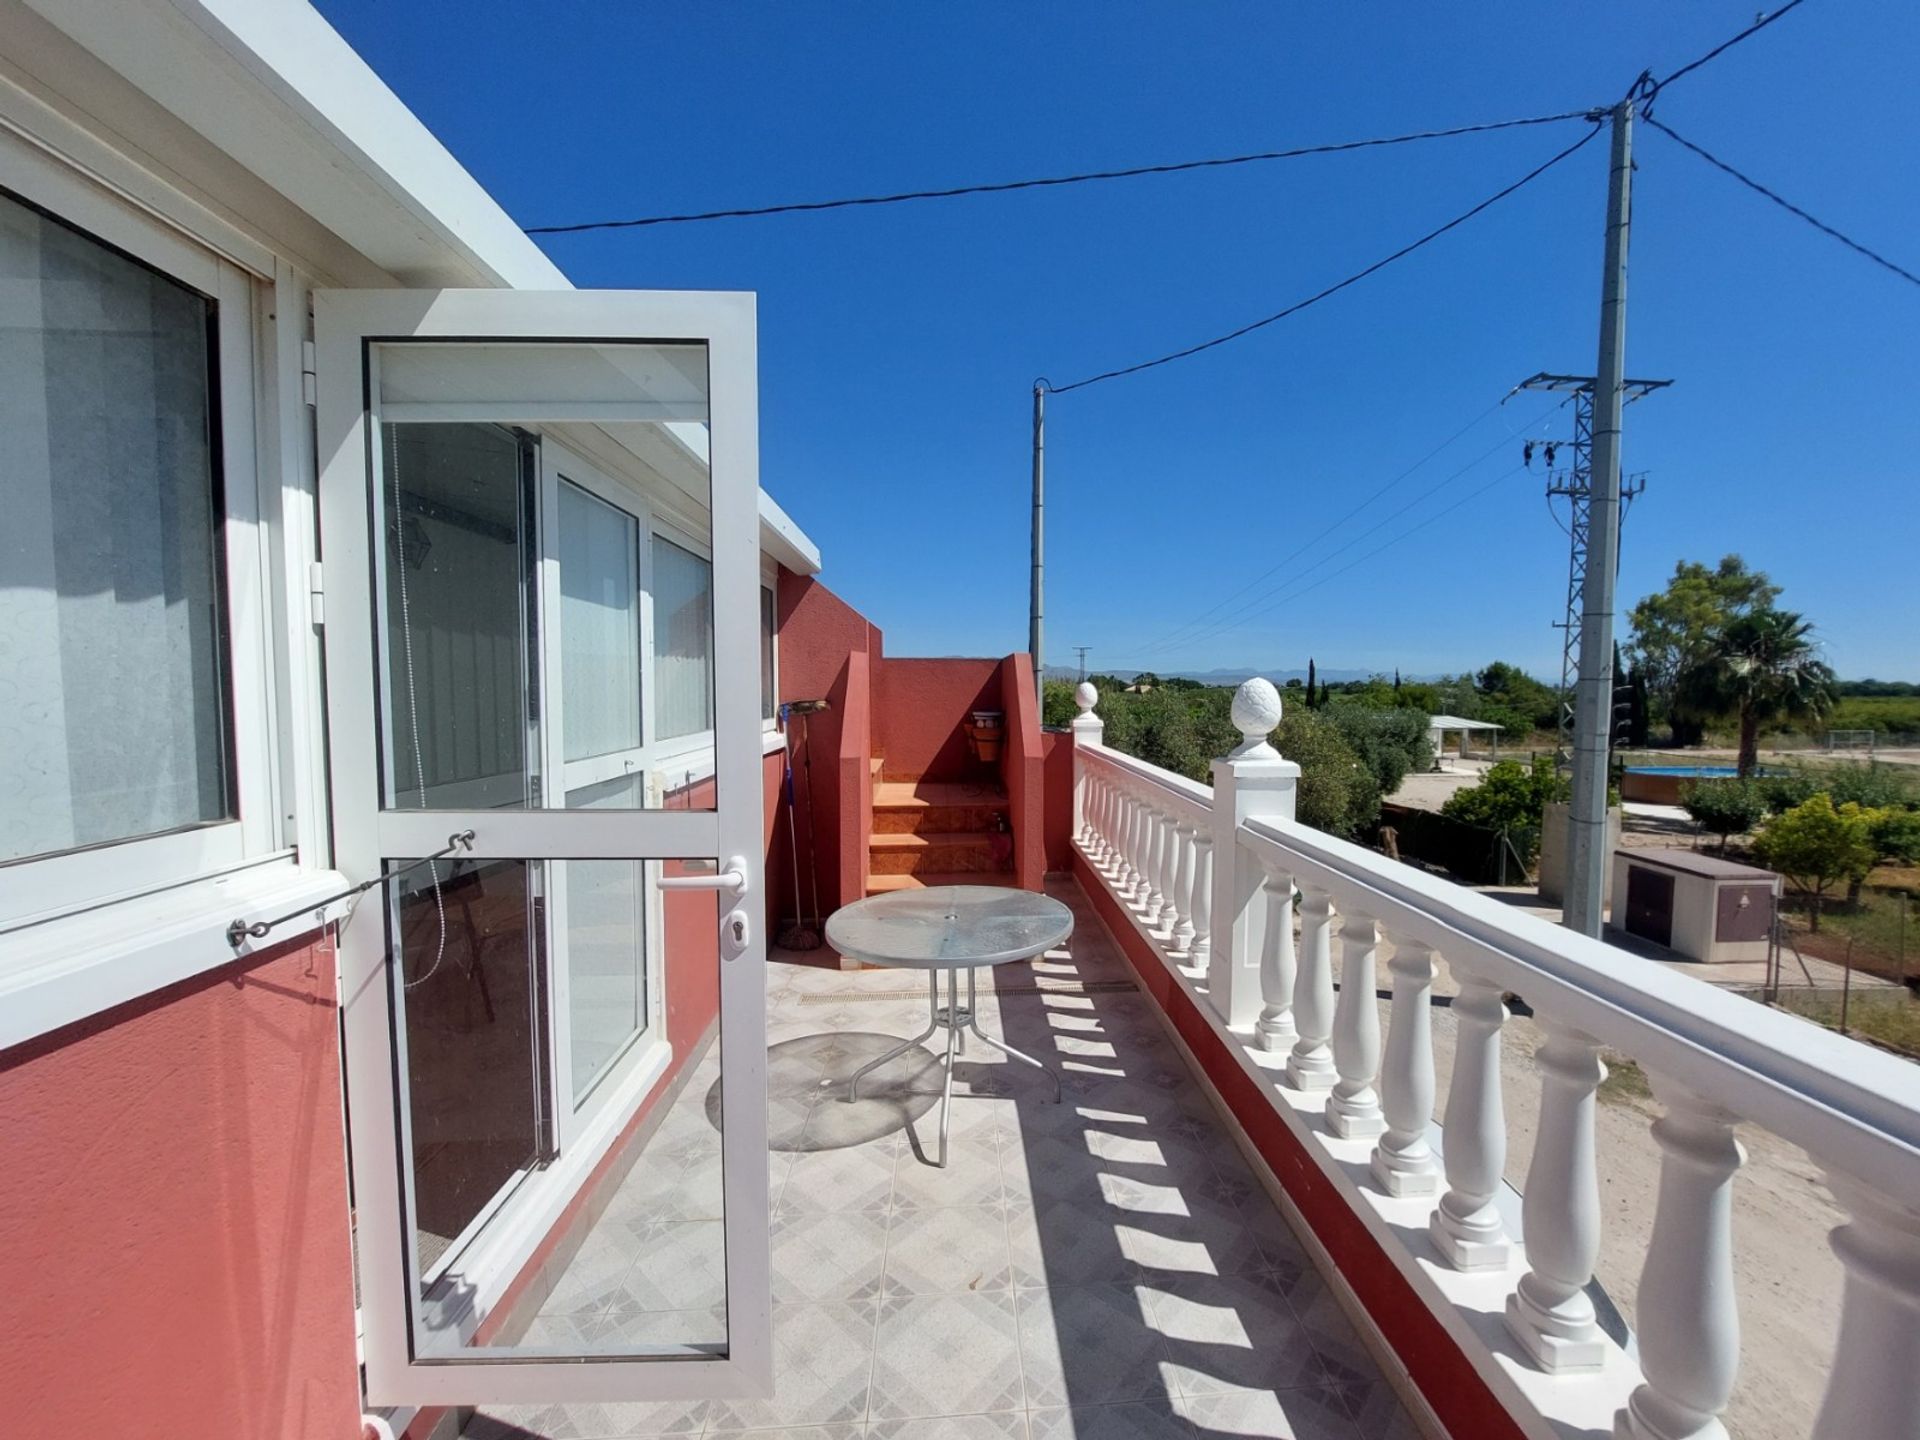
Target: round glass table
949 928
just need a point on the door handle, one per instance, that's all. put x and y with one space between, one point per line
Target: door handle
733 879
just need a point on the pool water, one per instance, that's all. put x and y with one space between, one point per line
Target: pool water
1696 772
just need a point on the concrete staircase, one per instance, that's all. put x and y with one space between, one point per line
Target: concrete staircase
938 832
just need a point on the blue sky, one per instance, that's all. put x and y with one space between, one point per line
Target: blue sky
899 345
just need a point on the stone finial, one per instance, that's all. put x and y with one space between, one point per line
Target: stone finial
1256 710
1085 696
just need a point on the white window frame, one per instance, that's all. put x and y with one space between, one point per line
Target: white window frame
664 752
770 582
38 889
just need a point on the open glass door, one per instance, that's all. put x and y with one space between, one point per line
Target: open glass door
540 527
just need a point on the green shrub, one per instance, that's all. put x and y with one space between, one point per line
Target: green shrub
1784 792
1391 743
1817 847
1895 834
1511 798
1872 787
1726 807
1338 792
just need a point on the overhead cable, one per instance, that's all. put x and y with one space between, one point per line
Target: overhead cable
1759 24
1783 203
1338 286
1003 186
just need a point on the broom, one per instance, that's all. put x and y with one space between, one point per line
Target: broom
795 935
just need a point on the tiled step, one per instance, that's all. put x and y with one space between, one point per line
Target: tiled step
881 884
944 807
937 852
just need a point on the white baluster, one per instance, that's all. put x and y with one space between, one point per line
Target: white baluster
1131 827
1310 1067
1274 1030
1182 925
1202 898
1550 1313
1466 1225
1168 870
1096 826
1353 1109
1403 1161
1109 823
1159 891
1874 1390
1688 1324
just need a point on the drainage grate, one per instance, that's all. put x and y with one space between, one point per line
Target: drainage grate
1053 987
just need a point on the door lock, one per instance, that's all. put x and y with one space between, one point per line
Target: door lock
737 933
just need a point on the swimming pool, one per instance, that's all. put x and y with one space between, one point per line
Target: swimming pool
1663 784
1692 772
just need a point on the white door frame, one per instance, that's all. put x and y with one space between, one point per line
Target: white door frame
347 324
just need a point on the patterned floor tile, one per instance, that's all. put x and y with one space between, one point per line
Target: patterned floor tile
1088 1345
1005 1425
682 1267
856 1178
822 1366
1230 1333
971 1175
827 1255
1140 1420
954 1249
1268 1414
946 1355
1059 1244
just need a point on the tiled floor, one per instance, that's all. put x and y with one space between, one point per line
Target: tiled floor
1106 1268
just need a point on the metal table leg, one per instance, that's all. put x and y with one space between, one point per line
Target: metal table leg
973 1023
933 1023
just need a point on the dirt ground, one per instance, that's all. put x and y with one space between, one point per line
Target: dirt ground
1786 1278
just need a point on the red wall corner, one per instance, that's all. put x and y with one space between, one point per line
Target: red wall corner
174 1255
1056 749
1023 770
855 780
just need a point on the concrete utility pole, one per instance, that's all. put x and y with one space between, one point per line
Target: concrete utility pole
1039 548
1081 651
1587 857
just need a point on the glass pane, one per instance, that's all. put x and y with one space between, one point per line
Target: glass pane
515 661
461 734
682 641
536 1233
599 625
114 724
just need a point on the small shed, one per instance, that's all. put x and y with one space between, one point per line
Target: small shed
1439 726
1702 907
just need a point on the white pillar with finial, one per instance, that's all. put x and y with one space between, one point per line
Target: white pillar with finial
1087 729
1253 781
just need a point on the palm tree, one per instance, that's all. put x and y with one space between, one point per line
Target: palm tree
1762 666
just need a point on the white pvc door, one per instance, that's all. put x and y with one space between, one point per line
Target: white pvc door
545 737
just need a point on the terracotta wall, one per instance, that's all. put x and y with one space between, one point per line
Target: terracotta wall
919 709
1056 747
818 632
174 1252
1023 771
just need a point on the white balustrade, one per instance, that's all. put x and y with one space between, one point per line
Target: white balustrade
1211 876
1550 1313
1689 1326
1466 1224
1353 1108
1202 898
1274 1030
1874 1390
1182 931
1310 1067
1403 1161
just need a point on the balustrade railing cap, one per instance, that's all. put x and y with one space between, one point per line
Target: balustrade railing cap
1256 710
1085 696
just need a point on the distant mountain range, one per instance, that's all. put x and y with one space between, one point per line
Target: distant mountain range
1231 676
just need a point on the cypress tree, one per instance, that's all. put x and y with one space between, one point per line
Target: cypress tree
1310 699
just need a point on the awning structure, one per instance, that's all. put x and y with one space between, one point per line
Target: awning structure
1439 725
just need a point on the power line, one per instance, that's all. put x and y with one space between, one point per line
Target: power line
1338 286
1782 202
1725 45
1378 549
1179 632
1264 603
1002 187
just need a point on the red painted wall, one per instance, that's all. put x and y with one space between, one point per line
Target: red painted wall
174 1252
818 632
853 782
1057 751
1022 770
919 709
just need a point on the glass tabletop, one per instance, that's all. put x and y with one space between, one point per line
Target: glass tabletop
949 925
